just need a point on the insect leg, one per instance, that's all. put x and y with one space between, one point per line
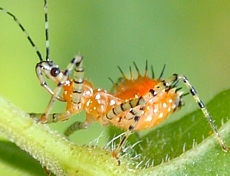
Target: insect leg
116 111
76 126
173 80
201 105
136 115
130 105
51 118
76 62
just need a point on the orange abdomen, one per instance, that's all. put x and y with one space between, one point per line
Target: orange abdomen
156 110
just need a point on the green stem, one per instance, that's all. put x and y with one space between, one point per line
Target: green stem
53 151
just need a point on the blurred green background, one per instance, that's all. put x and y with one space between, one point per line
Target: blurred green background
191 37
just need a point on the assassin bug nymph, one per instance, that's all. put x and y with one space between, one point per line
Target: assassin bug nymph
137 103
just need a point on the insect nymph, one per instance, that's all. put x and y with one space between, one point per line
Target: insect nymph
137 103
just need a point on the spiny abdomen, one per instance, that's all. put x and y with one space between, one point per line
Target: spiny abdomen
156 109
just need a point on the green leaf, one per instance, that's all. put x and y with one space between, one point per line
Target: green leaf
65 158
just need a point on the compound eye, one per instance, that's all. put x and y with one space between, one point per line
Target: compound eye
54 71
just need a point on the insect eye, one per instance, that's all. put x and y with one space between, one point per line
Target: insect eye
54 71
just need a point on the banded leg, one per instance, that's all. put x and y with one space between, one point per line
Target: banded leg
202 107
135 107
136 115
117 110
53 72
75 127
78 80
173 80
51 118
